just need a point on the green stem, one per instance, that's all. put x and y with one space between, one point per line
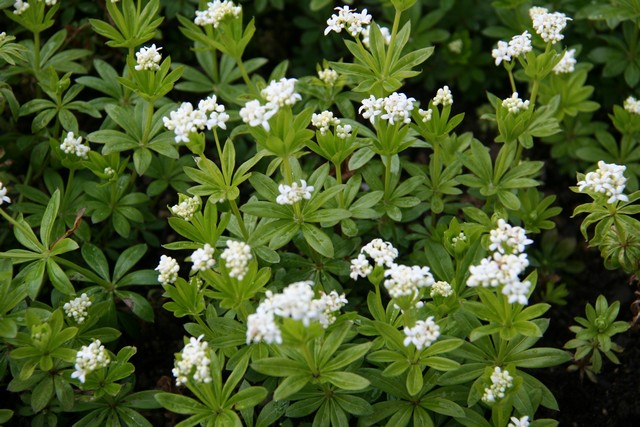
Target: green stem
512 81
148 123
387 178
215 136
36 52
394 33
245 76
69 186
236 212
203 324
338 168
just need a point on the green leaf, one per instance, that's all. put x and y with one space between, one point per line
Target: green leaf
49 218
345 380
58 278
318 240
42 394
180 404
290 385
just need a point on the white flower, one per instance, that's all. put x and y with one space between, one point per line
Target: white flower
90 358
148 58
397 108
109 171
73 145
372 107
508 239
501 381
3 36
324 121
77 308
502 52
216 11
360 267
567 63
423 334
455 46
255 114
327 305
50 2
550 25
443 96
535 11
168 269
281 93
608 179
353 23
20 6
406 281
343 131
521 44
184 121
515 104
386 35
328 76
237 257
187 208
632 105
441 288
202 259
215 113
425 114
290 194
262 327
519 422
459 238
193 358
3 194
383 253
517 292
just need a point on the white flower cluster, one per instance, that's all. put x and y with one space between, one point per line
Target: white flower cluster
195 354
168 269
296 302
382 253
277 94
548 25
632 105
386 35
505 264
187 208
77 308
237 257
403 280
608 179
90 358
185 120
425 114
290 194
216 11
441 288
109 171
515 104
443 96
501 381
519 422
148 58
343 131
3 194
459 238
518 45
347 19
73 145
19 7
567 64
3 36
324 121
395 108
202 259
423 334
455 46
328 76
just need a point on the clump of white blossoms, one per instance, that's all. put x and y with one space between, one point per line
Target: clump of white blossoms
441 288
347 19
506 263
402 280
443 96
395 108
549 25
518 45
216 11
515 104
193 362
237 257
278 94
19 7
343 131
186 208
324 120
425 114
501 381
328 76
296 302
382 253
148 58
423 334
3 36
455 46
186 120
90 358
632 105
608 179
73 145
290 194
255 114
360 267
215 113
384 31
168 269
3 194
567 64
77 308
519 422
202 259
